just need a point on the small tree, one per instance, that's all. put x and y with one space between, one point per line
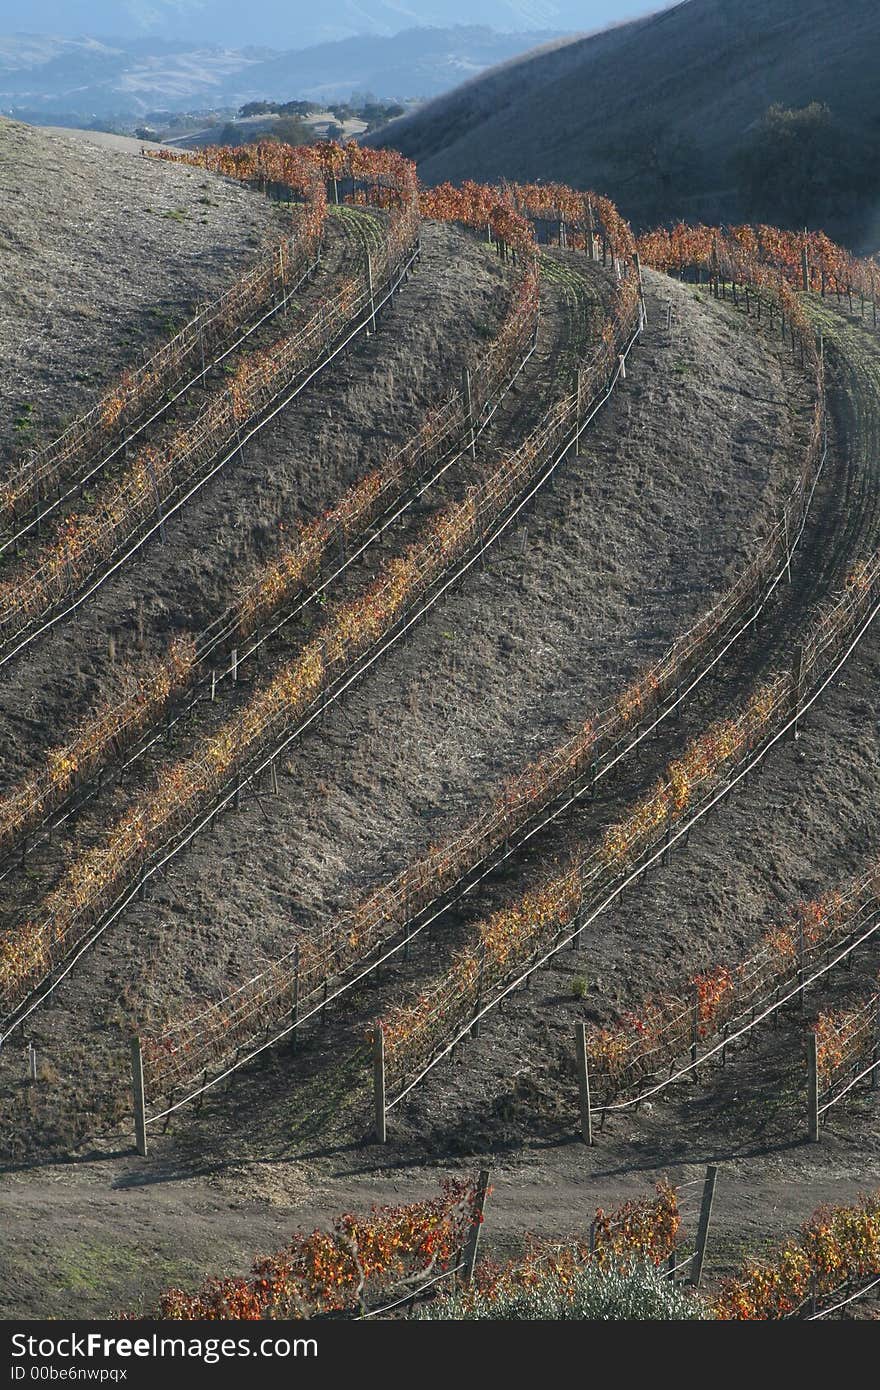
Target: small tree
292 130
797 166
258 108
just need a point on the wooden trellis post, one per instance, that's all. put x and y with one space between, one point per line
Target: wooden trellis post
478 1004
643 308
797 690
469 1258
583 1071
703 1225
580 411
469 410
812 1087
137 1086
379 1083
157 497
787 541
372 296
294 1006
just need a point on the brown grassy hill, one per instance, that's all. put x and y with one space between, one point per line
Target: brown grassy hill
654 112
102 253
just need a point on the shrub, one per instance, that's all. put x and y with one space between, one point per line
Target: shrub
640 1294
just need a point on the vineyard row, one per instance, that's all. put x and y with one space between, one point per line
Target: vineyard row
298 566
805 261
724 1002
396 908
214 772
509 490
142 394
89 547
414 1247
835 1253
401 1253
279 588
417 1035
847 1051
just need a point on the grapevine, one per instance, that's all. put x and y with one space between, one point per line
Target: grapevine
390 907
83 543
277 581
139 390
98 875
642 1230
113 725
338 1270
836 1246
513 934
845 1040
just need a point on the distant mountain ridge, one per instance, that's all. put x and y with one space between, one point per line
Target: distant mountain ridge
286 24
45 77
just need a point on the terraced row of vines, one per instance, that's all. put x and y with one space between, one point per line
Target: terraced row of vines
369 657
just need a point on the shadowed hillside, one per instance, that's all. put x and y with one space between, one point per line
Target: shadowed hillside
707 71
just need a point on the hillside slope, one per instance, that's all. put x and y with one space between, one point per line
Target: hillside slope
711 415
102 253
706 71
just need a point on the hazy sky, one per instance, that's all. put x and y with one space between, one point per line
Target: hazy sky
293 23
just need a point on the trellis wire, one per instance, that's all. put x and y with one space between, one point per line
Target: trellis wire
39 466
166 511
836 1307
243 777
94 468
206 645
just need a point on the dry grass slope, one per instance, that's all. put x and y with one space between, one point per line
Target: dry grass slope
103 254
